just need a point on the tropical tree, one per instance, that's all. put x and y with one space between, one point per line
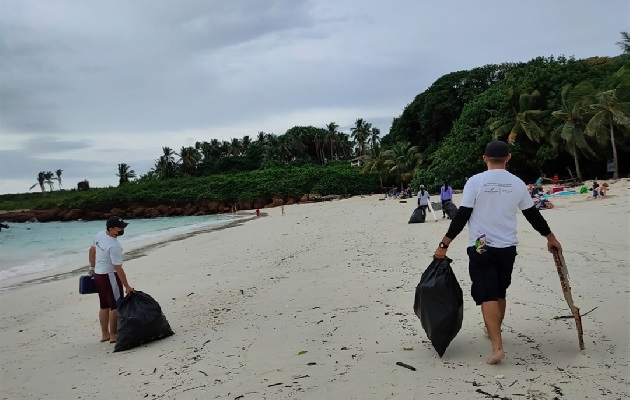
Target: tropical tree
41 179
624 44
374 138
332 138
125 174
49 177
609 113
402 159
573 113
235 148
189 157
521 117
375 160
58 173
360 133
165 166
245 143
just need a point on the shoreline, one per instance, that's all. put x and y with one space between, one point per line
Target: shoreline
141 251
318 304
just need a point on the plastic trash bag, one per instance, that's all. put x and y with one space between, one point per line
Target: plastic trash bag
418 216
439 304
140 320
450 209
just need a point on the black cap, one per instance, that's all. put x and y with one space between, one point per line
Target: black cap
497 149
116 222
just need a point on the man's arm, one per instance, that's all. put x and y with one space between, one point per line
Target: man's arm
92 258
457 225
538 222
123 278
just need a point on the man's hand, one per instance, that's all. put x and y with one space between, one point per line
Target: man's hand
552 243
129 290
439 253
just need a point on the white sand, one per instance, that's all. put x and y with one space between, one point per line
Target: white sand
336 280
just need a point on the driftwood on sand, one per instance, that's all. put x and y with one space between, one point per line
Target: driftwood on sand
563 273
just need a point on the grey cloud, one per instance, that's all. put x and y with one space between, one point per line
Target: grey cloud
79 71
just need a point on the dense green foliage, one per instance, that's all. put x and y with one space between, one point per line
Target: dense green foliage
560 115
453 120
334 178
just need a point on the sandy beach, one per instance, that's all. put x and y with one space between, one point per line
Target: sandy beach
318 304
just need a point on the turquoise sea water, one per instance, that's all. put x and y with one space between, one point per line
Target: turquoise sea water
36 250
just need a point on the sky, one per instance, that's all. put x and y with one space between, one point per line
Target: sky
86 84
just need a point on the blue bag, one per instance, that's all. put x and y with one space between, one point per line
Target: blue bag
87 285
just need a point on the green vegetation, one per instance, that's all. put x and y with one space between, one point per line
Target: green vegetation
335 178
560 115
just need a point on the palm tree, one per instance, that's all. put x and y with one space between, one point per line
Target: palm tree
521 117
375 161
235 147
345 145
125 174
571 132
41 179
165 166
360 133
609 112
49 177
624 44
58 173
245 143
403 159
189 157
374 138
332 138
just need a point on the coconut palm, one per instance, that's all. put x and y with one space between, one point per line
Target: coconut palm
332 138
573 113
521 117
189 157
49 177
374 138
245 143
360 133
41 179
609 113
58 173
165 166
375 160
125 174
402 159
624 44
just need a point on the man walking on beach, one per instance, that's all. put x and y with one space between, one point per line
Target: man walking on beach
109 277
489 206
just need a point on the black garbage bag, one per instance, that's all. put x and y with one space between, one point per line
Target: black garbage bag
418 216
450 208
439 304
140 320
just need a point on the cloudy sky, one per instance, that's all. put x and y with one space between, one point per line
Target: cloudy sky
86 84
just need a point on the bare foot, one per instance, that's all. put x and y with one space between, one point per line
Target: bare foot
496 357
112 339
104 339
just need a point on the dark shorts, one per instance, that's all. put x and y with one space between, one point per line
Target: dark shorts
490 272
110 290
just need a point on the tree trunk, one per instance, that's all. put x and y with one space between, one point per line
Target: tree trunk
577 166
614 149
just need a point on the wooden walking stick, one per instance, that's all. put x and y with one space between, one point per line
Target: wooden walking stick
563 273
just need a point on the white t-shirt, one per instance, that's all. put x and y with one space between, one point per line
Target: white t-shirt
108 253
495 197
423 199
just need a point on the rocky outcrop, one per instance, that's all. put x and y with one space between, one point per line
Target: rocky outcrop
203 207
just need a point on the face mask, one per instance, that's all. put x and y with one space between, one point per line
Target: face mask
120 233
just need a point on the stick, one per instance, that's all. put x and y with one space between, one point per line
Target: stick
563 274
